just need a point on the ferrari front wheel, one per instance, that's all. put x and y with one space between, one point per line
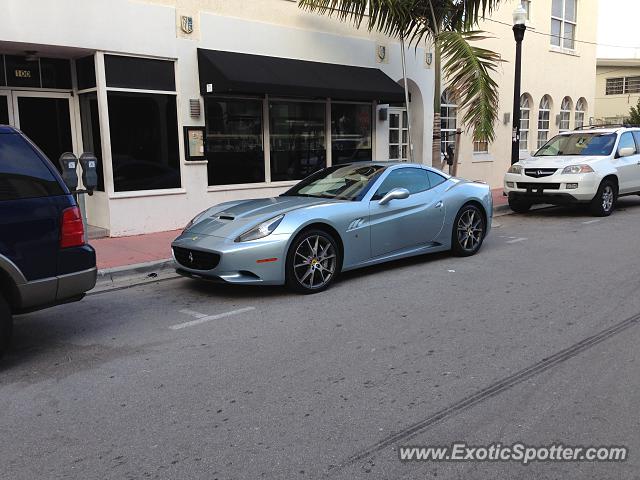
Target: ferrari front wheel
312 262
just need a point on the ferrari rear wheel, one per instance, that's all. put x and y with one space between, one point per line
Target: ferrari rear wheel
312 262
468 231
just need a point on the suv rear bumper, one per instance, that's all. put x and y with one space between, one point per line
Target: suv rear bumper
47 292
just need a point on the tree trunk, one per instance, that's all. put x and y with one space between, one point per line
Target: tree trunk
406 99
436 158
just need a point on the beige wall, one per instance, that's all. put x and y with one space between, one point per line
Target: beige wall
546 70
279 12
610 107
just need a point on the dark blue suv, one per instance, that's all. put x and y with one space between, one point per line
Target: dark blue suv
44 259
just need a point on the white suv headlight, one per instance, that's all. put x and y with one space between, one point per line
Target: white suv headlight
575 169
264 229
517 169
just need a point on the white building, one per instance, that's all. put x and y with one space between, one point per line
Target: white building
558 82
163 92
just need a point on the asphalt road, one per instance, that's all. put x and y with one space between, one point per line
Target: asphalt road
535 340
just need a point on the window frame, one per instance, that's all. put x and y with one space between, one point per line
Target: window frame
446 102
562 38
564 125
541 142
614 86
267 123
105 129
525 106
581 112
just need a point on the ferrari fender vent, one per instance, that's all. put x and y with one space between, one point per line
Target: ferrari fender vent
195 259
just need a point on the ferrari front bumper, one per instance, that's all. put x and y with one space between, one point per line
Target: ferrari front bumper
258 262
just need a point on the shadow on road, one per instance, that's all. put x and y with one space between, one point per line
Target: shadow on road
580 211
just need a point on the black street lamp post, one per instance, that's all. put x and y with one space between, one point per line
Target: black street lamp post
519 27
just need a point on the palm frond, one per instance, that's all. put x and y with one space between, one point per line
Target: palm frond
468 69
415 20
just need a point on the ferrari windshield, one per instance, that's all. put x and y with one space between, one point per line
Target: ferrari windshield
348 182
579 143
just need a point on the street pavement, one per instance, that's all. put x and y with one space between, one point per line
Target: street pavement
534 339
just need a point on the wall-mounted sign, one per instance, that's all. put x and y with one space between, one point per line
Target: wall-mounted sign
186 23
22 72
194 144
428 59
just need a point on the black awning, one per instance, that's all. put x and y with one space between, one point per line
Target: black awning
241 73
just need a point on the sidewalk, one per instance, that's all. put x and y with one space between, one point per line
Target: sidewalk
115 253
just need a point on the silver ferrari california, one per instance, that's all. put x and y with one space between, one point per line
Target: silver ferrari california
338 219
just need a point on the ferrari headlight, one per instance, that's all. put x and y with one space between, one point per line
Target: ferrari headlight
517 169
577 169
262 230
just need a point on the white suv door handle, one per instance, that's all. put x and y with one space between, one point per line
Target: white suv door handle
439 204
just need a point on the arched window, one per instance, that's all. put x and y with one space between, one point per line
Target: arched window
525 113
565 114
448 121
581 109
544 114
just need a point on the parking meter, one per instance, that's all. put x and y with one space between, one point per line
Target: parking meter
69 162
449 155
89 164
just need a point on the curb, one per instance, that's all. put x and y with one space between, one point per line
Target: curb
501 210
135 274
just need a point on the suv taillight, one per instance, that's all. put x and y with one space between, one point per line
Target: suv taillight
72 228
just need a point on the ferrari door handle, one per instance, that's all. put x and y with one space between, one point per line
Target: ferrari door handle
439 204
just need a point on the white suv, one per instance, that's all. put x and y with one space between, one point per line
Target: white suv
590 165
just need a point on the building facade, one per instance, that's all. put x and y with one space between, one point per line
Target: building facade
558 82
617 89
188 103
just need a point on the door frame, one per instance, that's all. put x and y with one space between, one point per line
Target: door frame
9 99
400 111
15 111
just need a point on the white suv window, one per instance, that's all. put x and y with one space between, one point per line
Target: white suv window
627 141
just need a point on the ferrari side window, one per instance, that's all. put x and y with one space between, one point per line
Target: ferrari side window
435 179
413 179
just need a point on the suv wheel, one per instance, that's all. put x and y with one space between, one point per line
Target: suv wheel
520 206
6 325
605 200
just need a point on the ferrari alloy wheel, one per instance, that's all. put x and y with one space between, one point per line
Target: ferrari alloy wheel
468 231
312 261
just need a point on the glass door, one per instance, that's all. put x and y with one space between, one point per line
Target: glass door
6 110
398 135
46 119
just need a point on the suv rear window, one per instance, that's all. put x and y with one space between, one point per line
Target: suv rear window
23 174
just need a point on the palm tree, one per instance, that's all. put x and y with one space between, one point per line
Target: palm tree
450 25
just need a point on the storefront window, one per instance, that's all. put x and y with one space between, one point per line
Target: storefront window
91 140
234 141
297 139
144 141
350 133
